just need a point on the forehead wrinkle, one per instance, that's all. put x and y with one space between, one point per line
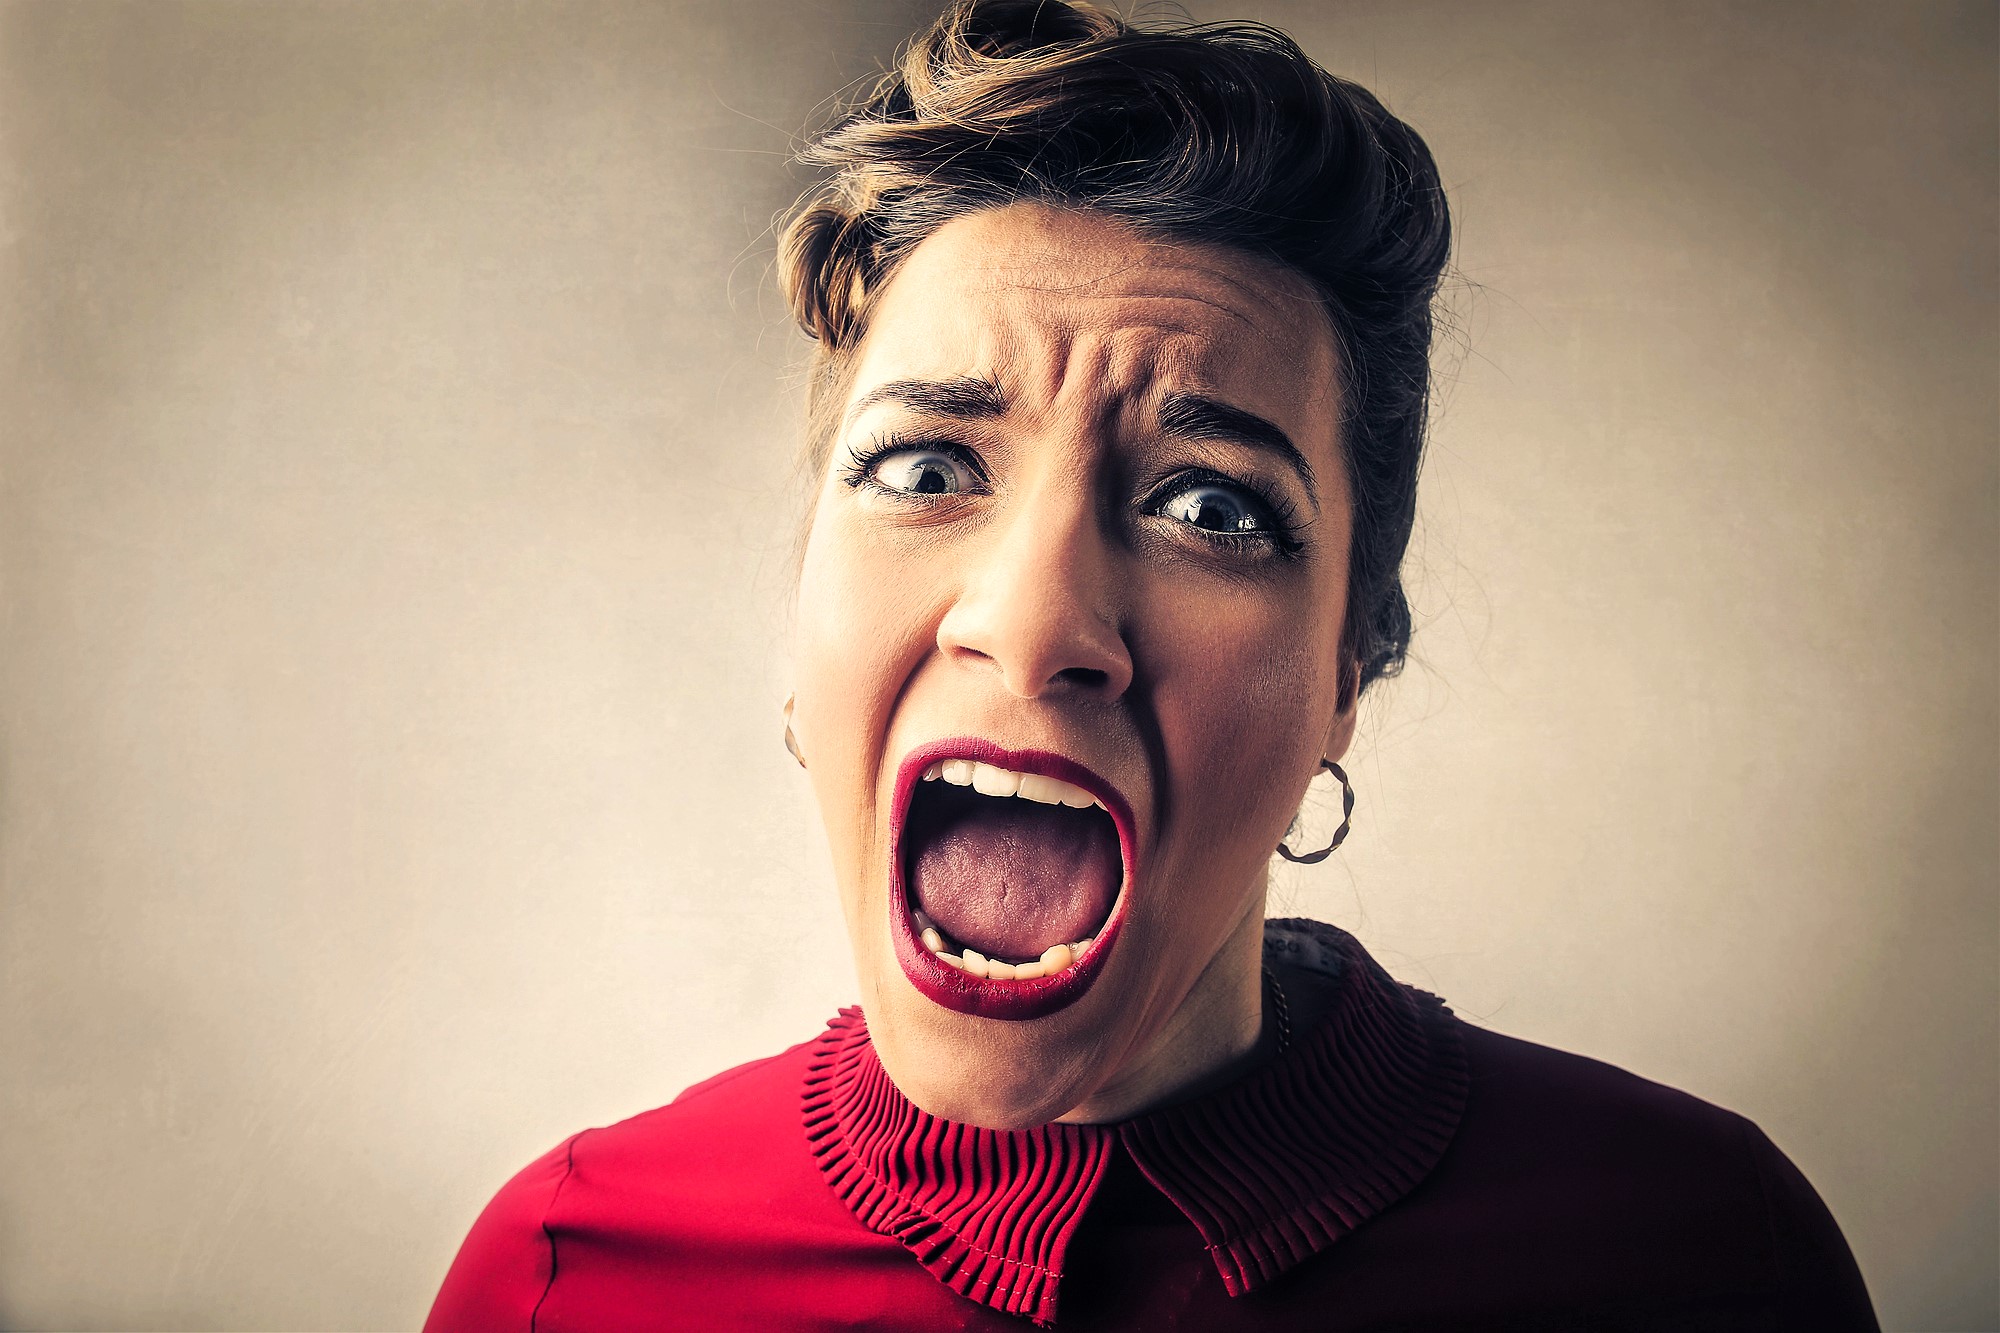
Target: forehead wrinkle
1028 327
1085 292
1280 342
1100 386
1267 284
1085 380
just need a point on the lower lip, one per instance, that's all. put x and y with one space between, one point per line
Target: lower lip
943 984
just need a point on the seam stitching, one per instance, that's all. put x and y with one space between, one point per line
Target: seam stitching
569 1169
1745 1127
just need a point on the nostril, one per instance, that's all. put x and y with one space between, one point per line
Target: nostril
1088 677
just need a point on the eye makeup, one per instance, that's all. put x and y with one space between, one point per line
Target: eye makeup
859 473
1276 531
1277 514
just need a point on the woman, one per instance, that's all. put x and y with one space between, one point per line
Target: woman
1120 390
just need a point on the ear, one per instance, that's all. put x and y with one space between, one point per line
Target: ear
1340 734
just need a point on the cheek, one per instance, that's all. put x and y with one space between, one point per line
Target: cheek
861 625
1246 690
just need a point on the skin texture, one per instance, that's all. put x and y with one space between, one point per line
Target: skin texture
1062 601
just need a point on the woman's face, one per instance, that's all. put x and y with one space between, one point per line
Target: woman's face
1083 533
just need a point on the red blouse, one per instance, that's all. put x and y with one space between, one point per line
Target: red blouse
1396 1169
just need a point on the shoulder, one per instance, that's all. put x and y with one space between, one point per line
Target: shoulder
1645 1186
1568 1105
505 1264
1609 1132
744 1107
699 1142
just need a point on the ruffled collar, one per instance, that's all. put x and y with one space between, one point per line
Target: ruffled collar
1270 1169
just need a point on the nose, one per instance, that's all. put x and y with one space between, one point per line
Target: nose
1038 603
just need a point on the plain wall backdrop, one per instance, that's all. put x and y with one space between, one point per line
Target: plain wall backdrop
395 527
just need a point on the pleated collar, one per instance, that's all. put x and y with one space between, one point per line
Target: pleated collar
1270 1169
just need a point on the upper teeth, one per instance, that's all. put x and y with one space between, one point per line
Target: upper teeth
990 780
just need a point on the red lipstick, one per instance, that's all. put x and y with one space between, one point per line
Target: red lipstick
984 997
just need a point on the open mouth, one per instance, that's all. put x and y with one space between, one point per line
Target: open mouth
1010 868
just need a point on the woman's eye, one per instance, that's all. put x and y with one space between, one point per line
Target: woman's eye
924 472
1217 509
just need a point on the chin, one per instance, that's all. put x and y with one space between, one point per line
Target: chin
985 1072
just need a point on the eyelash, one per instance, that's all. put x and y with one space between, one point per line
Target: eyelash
1283 536
859 473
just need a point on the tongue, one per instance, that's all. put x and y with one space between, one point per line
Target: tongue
1011 877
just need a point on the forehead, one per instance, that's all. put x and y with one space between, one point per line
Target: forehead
1074 310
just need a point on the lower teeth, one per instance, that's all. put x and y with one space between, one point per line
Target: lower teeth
973 963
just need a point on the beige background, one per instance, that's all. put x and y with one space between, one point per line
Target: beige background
394 533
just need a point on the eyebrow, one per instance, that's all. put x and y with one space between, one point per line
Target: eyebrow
1189 416
968 397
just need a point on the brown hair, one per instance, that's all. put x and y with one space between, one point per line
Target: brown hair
1219 134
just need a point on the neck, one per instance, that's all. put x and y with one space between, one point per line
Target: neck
1216 1032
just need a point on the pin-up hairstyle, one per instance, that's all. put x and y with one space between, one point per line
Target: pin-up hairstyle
1222 134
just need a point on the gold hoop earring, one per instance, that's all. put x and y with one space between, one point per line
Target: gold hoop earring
1339 834
791 741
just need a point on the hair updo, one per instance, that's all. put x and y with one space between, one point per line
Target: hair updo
1218 134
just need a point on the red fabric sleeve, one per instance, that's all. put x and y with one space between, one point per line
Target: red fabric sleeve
507 1261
